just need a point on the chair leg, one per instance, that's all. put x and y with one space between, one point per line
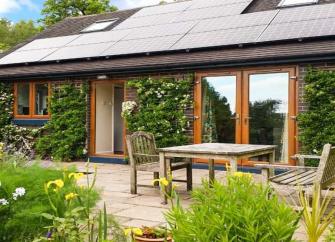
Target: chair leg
133 181
156 176
189 177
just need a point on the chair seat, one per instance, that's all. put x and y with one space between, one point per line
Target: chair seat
303 177
154 166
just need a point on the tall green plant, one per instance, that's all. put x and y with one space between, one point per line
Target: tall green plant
241 210
160 108
65 133
317 124
316 217
6 105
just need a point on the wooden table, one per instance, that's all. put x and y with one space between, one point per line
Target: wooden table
213 151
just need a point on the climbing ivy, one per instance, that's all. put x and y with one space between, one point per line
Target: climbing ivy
65 134
6 104
317 125
160 108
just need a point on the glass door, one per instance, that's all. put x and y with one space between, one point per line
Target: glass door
269 112
218 108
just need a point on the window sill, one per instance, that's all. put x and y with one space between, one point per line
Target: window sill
30 121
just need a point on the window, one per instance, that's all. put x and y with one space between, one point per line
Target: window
99 25
288 3
31 100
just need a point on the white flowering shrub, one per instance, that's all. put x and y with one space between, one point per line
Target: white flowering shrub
128 108
6 104
19 140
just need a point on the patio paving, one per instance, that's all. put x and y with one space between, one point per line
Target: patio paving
144 208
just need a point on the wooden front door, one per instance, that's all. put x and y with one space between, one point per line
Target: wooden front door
248 107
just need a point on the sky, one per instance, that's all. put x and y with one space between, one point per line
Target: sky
16 10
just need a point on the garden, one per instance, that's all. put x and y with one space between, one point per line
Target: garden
60 202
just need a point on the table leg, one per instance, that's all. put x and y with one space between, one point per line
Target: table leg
162 173
272 157
233 164
211 170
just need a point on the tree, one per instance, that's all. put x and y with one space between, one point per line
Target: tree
13 34
57 10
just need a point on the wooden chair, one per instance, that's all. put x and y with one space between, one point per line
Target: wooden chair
304 176
144 157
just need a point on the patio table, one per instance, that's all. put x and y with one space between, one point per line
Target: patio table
212 152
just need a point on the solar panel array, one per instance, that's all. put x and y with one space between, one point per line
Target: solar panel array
184 25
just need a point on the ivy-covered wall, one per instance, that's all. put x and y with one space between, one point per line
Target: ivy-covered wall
64 136
160 106
317 122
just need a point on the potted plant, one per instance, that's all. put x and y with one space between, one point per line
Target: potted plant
149 234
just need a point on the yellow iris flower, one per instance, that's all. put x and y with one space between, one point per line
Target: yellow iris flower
70 196
76 176
162 181
242 174
134 231
58 183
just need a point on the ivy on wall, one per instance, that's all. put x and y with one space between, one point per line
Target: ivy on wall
160 108
317 125
65 134
6 104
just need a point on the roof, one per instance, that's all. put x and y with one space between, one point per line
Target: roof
211 30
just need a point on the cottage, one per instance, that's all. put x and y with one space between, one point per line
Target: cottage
248 59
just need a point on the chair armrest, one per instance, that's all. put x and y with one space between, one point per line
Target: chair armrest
297 156
272 166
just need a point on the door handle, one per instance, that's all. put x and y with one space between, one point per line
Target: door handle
236 117
246 120
293 118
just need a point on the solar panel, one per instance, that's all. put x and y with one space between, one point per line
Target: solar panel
213 3
79 51
100 37
147 21
164 8
220 37
142 45
302 29
212 12
160 30
237 21
305 13
26 56
49 42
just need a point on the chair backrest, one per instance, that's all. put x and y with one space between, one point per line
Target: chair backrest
141 148
326 170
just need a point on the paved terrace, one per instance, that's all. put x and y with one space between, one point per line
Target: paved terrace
144 208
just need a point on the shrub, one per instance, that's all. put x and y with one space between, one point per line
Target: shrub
24 220
160 109
6 104
65 134
238 211
317 124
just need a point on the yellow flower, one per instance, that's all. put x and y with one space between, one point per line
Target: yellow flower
58 183
76 176
162 181
137 231
127 231
241 174
70 196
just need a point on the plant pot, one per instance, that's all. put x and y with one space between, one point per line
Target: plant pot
140 239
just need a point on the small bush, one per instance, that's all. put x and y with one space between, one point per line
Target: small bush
238 211
317 124
24 221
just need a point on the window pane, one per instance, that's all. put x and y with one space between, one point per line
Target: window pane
296 2
23 94
41 99
218 109
268 111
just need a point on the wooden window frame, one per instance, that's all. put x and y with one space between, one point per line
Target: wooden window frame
32 92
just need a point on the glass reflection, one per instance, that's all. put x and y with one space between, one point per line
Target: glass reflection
218 108
268 112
